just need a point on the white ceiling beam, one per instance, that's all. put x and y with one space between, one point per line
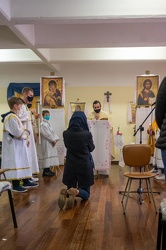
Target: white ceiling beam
63 30
27 37
100 35
5 8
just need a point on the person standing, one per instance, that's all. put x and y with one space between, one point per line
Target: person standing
48 155
160 116
15 145
25 116
99 114
78 170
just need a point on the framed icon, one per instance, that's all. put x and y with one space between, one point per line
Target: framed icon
52 92
147 88
77 106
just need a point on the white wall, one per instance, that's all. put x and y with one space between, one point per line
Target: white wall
109 73
21 73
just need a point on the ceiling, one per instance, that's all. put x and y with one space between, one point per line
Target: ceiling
54 32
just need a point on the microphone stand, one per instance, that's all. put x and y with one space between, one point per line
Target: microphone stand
141 129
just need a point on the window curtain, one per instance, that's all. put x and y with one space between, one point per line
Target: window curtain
17 87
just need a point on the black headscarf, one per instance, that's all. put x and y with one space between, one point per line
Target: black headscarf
78 120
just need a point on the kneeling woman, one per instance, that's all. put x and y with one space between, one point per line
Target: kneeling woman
78 171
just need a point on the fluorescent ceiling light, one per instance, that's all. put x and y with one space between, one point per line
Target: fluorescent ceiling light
99 54
18 55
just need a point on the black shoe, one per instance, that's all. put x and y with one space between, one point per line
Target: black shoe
47 174
29 184
19 189
49 171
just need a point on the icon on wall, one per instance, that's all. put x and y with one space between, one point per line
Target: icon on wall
52 92
147 88
77 106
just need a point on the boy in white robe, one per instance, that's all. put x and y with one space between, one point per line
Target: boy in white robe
15 144
48 155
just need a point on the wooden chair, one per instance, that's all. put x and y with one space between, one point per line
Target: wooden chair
137 156
6 186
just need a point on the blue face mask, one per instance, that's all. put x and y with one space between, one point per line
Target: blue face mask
47 117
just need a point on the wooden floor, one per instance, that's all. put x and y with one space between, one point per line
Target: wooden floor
96 224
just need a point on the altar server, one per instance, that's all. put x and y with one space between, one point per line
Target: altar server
48 155
15 146
25 116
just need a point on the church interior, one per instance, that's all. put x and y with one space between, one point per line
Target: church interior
102 51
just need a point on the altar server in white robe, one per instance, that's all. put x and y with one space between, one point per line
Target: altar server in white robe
15 145
26 118
48 155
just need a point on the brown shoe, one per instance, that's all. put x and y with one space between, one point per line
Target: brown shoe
62 198
72 192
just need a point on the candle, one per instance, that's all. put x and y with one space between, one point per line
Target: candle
27 123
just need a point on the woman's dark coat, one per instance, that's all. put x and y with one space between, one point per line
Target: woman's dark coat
160 114
79 143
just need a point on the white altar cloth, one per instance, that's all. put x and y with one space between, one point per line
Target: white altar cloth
102 139
119 143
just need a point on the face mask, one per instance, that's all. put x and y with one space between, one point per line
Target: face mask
30 98
47 117
97 110
29 105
